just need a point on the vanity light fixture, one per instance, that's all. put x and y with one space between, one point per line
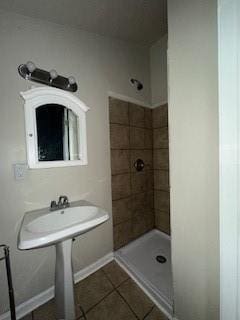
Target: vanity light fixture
29 71
71 81
31 67
53 75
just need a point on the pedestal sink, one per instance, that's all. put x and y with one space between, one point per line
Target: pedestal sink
43 227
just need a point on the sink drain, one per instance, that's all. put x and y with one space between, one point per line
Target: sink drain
161 259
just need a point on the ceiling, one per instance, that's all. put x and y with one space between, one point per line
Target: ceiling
140 21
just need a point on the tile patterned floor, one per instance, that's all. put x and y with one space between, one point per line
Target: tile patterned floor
108 294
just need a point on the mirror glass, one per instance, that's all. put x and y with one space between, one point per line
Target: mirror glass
57 133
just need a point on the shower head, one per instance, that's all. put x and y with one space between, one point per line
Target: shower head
137 83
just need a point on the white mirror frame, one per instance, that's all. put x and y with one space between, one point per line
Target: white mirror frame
43 95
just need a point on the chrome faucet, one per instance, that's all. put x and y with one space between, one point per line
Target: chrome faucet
62 203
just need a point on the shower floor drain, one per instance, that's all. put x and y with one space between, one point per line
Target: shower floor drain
161 259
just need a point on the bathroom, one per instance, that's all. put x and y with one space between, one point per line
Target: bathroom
151 148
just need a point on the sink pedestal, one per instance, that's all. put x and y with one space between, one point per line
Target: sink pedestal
64 287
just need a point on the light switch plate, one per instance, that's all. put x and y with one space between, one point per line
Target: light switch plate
20 170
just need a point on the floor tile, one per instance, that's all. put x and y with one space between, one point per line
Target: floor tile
135 297
45 312
92 290
115 273
27 317
155 314
112 307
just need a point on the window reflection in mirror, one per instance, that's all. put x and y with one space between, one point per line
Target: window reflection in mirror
57 133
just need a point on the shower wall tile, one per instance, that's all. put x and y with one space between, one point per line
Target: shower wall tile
142 202
162 200
120 161
136 115
137 138
160 116
148 139
118 111
160 138
131 136
121 210
161 179
162 221
121 186
119 136
148 118
138 182
122 234
161 168
160 159
142 224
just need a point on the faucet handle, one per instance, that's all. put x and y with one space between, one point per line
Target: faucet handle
63 201
53 205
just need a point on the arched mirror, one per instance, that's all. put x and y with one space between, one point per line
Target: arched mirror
55 123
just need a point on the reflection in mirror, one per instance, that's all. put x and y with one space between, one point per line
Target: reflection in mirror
57 133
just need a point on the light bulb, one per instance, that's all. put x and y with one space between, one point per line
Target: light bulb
30 66
71 80
53 74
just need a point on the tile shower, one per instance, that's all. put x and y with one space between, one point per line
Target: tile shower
140 200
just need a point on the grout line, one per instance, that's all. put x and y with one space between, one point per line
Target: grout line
133 149
127 304
133 126
108 294
148 313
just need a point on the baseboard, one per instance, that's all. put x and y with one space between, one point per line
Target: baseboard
28 306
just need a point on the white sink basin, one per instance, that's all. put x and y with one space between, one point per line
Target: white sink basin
44 227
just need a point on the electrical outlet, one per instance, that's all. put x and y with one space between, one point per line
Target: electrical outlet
20 170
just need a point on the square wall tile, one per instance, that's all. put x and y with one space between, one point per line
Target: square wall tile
136 115
118 111
160 116
142 202
148 139
119 136
137 138
149 180
120 161
121 210
160 138
148 117
162 221
142 224
161 180
121 186
139 182
160 159
122 234
162 200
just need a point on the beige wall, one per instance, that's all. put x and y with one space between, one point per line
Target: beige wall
158 63
193 124
99 64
